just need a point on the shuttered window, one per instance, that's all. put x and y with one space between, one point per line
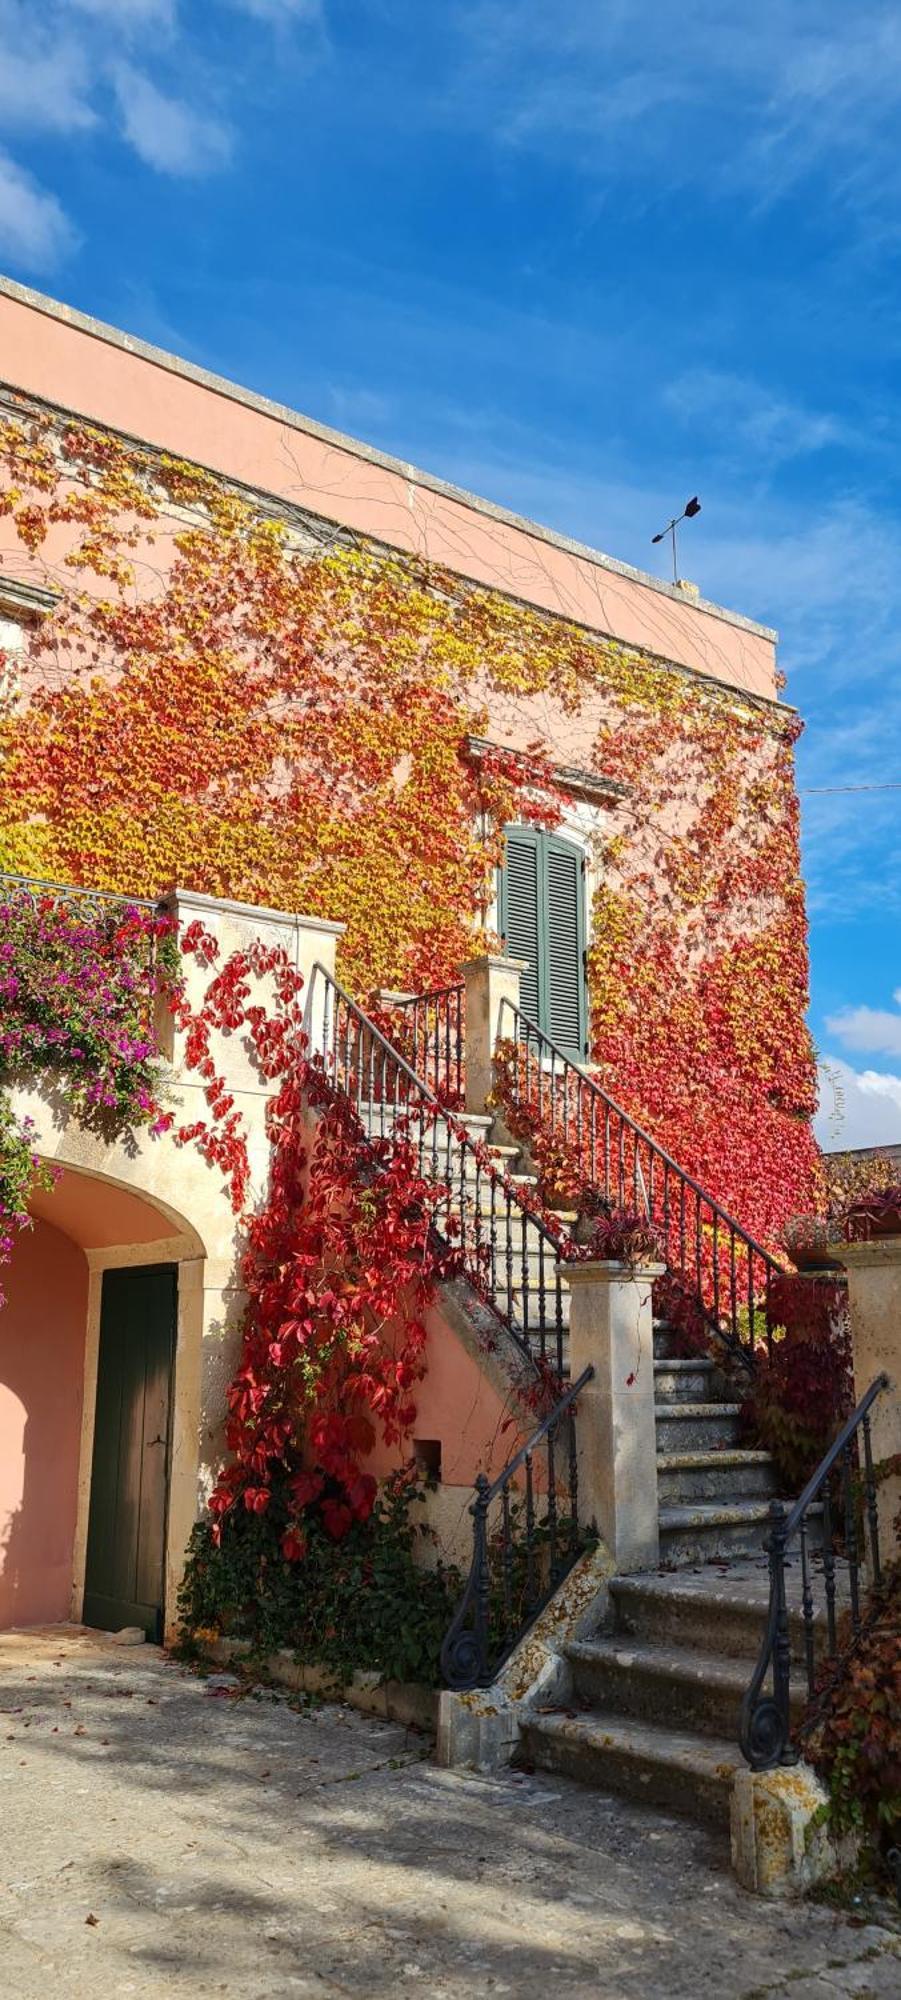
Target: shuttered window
542 920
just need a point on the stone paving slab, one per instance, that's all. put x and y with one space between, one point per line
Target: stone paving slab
163 1835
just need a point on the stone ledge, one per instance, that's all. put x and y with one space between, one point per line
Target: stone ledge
406 1702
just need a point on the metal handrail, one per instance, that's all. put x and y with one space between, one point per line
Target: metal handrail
669 1212
435 1021
510 1252
765 1723
468 1657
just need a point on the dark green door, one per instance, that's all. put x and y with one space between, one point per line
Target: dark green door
129 1474
541 900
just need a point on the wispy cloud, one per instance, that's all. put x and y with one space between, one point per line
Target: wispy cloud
89 67
283 13
45 78
166 132
34 230
740 415
857 1107
713 95
127 14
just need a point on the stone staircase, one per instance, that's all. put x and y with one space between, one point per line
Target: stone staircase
656 1693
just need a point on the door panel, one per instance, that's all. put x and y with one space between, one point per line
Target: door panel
129 1474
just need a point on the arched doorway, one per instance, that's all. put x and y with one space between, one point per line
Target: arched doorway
99 1389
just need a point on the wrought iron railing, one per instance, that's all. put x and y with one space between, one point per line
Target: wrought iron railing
717 1266
509 1251
526 1535
428 1030
765 1732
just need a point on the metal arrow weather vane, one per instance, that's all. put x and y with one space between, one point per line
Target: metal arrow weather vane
691 508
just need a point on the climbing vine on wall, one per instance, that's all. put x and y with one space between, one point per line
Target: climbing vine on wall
232 701
341 1261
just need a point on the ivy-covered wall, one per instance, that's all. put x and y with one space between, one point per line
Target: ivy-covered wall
280 713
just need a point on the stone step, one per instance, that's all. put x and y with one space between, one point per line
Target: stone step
685 1774
718 1608
704 1427
712 1531
685 1478
688 1381
687 1689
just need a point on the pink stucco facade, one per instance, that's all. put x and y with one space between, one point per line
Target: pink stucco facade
42 1346
52 353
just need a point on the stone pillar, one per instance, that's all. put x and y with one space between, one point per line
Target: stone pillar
489 982
611 1326
874 1305
236 925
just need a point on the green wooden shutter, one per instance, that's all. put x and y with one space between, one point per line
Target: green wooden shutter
542 918
520 912
564 945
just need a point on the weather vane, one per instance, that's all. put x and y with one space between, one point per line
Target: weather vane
691 508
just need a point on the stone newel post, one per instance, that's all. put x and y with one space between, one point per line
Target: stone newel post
611 1326
489 982
874 1305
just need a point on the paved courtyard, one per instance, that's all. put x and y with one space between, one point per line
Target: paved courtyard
162 1835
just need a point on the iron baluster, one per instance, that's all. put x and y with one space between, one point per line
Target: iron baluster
492 1233
872 1501
829 1572
765 1730
552 1503
573 1481
471 1653
558 1319
716 1267
524 1273
531 1592
542 1303
733 1286
807 1606
851 1536
507 1562
508 1251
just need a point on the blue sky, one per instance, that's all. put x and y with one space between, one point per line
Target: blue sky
586 260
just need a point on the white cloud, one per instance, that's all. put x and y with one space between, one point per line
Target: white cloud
857 1107
34 229
741 413
873 1030
763 99
45 78
305 12
127 13
165 132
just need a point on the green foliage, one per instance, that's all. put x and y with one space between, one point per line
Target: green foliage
359 1604
802 1391
855 1728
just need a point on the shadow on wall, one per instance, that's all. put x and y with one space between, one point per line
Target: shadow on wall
42 1340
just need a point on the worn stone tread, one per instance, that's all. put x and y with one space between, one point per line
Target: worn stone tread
689 1461
678 1412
